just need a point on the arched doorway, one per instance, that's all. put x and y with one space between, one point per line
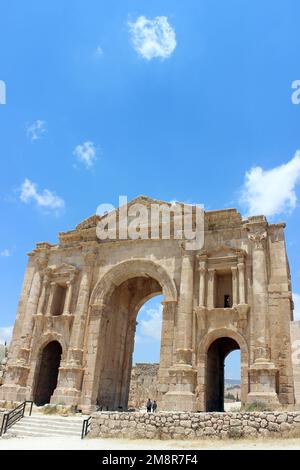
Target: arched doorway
216 355
48 373
117 345
146 354
114 305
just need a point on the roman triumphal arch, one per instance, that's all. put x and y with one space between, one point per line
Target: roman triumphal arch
74 332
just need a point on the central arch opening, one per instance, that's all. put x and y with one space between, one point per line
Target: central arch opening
48 373
118 339
215 372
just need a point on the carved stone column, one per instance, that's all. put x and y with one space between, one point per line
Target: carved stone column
80 315
96 354
41 304
262 372
50 298
211 288
235 293
32 306
181 394
202 268
166 344
260 293
241 270
185 304
68 300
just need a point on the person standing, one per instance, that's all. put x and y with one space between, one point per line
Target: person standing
149 405
154 406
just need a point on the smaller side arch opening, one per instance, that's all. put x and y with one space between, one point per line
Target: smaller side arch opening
47 373
215 373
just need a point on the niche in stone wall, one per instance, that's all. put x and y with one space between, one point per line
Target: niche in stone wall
59 299
223 291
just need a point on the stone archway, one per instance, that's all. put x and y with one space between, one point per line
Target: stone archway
47 373
125 270
211 355
116 300
216 355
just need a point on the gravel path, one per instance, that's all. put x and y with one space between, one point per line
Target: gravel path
124 444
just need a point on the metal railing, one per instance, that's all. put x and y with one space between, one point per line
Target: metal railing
11 417
86 426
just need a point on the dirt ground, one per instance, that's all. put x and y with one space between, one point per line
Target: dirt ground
125 444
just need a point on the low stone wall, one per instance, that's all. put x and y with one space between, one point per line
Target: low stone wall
193 425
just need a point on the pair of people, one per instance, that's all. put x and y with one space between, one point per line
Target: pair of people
151 406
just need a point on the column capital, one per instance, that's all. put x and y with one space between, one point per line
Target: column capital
165 303
89 257
211 273
41 262
234 270
202 264
202 256
46 280
258 239
184 252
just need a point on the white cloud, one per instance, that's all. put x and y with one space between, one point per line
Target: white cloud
86 153
151 326
99 51
152 37
271 192
46 198
6 252
296 298
5 334
36 130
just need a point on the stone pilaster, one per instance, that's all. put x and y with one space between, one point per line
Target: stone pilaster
202 268
78 330
50 298
235 292
181 394
185 304
211 288
69 294
166 344
241 271
41 304
98 319
262 372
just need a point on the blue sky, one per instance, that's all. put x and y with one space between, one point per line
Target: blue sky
175 100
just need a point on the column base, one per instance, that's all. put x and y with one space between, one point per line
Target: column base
269 398
181 396
14 393
68 391
263 375
179 401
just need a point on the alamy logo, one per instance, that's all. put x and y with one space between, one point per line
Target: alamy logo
296 94
2 92
152 221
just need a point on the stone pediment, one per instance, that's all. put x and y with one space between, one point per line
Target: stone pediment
225 252
92 221
63 270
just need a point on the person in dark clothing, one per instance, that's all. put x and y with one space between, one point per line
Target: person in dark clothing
154 406
149 405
